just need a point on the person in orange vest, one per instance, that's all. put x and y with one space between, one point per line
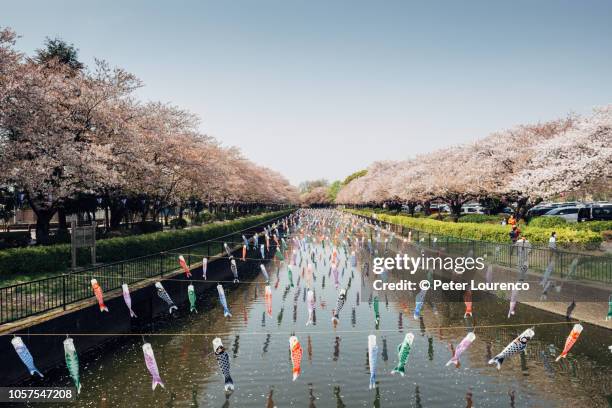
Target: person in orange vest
512 221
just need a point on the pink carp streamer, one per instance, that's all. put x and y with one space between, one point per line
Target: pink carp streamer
461 347
152 365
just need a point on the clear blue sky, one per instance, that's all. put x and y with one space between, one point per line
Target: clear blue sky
323 88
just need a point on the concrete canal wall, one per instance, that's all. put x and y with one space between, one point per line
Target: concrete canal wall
85 317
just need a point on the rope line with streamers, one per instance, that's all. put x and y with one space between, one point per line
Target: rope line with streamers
216 334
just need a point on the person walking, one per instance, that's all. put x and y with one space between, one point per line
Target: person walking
524 248
552 245
515 232
552 241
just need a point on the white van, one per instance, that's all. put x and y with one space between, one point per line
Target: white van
472 209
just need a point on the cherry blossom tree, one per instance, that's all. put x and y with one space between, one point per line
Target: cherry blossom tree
54 129
569 160
72 136
520 165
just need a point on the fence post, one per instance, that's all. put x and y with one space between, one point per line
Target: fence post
64 290
161 265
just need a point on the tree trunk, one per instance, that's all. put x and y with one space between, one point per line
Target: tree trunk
43 221
455 207
61 215
521 208
116 214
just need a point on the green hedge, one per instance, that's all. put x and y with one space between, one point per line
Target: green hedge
56 258
178 223
481 218
13 239
491 232
596 226
548 222
147 227
558 222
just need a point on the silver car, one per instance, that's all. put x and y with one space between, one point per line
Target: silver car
569 214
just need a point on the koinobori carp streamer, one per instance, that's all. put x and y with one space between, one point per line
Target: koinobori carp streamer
183 264
403 351
152 365
516 346
419 302
339 306
372 355
461 347
234 269
191 295
163 295
467 298
376 307
223 300
512 307
227 250
99 295
571 339
72 362
223 363
24 355
268 299
310 302
296 356
127 298
265 273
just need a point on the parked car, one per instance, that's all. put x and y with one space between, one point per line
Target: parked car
595 213
472 209
537 211
435 207
569 214
570 204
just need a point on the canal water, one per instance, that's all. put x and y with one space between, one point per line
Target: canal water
335 370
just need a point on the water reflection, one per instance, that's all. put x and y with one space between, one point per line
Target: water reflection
338 397
261 364
270 401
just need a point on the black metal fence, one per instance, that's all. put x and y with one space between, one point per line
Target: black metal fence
562 264
30 298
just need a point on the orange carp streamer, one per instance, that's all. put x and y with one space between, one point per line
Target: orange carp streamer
296 356
569 342
467 298
268 299
184 266
99 295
